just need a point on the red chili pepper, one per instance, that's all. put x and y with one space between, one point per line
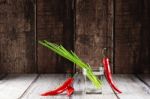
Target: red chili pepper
70 91
65 87
108 75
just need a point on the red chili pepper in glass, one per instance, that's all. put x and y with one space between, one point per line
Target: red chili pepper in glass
108 74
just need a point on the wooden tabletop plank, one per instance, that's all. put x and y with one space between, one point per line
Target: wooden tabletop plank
44 83
132 87
51 81
14 85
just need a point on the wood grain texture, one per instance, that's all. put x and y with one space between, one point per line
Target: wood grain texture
50 82
132 43
44 83
131 87
93 29
55 24
14 85
17 36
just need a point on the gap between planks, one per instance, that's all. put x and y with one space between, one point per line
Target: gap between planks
13 85
145 78
131 87
29 86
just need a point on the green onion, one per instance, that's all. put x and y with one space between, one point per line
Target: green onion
71 56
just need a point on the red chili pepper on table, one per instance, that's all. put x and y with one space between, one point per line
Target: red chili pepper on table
70 90
65 87
108 75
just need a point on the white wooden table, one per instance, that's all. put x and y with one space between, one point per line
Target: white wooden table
29 86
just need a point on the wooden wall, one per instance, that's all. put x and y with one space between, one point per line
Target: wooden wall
132 36
17 36
55 24
23 23
93 29
86 26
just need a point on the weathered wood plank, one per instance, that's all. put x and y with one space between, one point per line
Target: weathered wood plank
49 82
44 83
94 21
17 36
132 43
14 85
55 24
131 87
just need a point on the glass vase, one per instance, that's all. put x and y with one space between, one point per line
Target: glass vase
89 88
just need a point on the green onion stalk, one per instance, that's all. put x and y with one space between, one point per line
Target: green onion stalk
71 56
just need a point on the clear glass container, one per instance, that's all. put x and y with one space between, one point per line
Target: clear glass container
89 88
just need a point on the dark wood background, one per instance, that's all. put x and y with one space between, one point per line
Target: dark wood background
85 26
93 29
132 36
54 23
17 36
